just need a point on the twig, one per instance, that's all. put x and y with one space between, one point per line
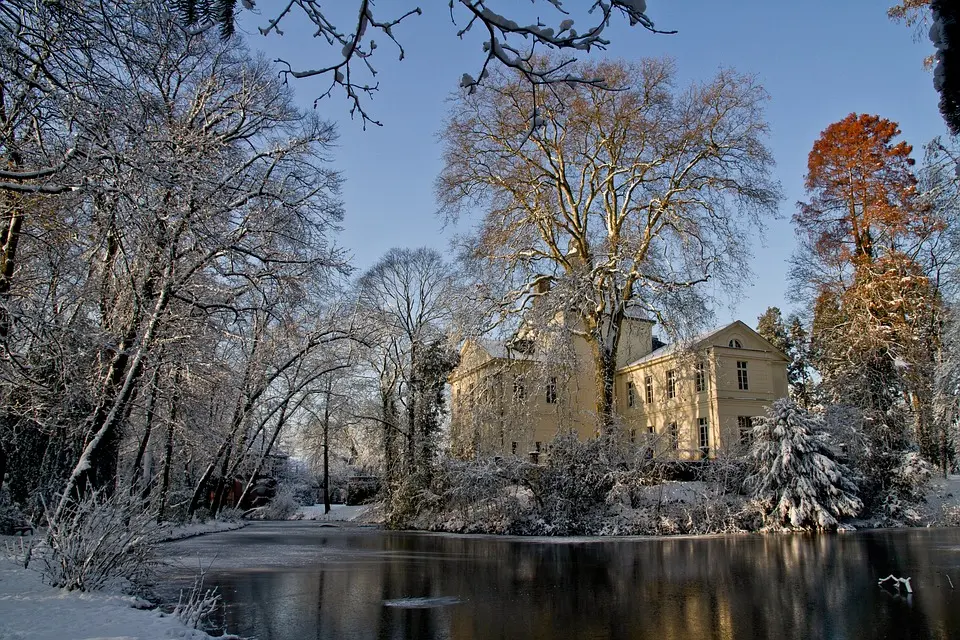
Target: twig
897 582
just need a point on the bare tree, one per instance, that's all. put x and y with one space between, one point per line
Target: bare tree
626 199
408 298
203 196
345 53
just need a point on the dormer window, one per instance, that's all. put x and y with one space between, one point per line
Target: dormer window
736 344
522 345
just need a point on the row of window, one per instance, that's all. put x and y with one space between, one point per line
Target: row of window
700 383
673 432
744 427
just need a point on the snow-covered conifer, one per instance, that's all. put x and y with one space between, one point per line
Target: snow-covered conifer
796 473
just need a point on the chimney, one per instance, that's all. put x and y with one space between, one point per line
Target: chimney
542 285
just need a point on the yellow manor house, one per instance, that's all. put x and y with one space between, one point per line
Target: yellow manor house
690 402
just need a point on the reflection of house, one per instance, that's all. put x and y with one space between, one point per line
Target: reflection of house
685 402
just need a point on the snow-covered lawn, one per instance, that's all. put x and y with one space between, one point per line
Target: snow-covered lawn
30 610
338 513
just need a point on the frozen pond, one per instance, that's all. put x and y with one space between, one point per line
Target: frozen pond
296 580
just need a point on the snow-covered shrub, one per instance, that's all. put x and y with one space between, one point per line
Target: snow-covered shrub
12 520
903 489
281 507
196 607
890 474
98 540
950 516
575 482
796 474
230 514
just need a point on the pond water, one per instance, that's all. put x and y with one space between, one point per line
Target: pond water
301 580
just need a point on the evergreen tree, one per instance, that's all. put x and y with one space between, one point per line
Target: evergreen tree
796 475
770 326
798 371
793 343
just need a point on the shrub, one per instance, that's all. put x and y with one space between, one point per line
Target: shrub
281 507
98 540
12 520
196 608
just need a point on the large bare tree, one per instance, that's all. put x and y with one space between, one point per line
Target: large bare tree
346 35
627 199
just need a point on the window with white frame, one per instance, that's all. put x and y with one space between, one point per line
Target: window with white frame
631 395
552 391
671 383
700 378
742 383
519 392
704 431
648 386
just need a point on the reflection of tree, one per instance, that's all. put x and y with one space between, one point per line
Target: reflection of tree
732 587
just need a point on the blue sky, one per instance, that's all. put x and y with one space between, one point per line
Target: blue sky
819 60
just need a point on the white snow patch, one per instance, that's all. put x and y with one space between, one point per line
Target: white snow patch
338 513
30 610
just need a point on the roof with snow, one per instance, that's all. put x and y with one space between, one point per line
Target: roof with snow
697 341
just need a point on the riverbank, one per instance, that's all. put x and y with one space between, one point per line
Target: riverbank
31 610
665 509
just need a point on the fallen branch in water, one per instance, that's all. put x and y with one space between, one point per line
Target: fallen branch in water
898 581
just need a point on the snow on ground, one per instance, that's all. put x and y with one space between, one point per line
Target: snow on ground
338 513
182 531
30 610
943 496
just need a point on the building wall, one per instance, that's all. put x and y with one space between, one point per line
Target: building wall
487 417
685 408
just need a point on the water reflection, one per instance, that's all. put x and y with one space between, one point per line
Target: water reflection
477 587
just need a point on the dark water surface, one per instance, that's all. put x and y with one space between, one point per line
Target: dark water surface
299 580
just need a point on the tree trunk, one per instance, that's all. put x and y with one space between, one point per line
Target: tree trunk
168 449
606 369
606 344
281 420
389 440
137 476
3 464
412 411
104 423
326 447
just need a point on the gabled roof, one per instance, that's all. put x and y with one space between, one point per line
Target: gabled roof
702 340
498 349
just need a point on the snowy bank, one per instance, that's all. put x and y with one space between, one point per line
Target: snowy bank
31 610
338 513
179 532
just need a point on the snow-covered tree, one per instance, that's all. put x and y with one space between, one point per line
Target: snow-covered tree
407 302
796 474
511 35
626 200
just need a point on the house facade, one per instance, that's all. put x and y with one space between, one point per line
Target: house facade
690 401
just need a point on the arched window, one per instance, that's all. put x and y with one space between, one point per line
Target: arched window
736 344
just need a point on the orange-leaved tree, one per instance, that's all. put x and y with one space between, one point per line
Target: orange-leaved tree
862 230
863 192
